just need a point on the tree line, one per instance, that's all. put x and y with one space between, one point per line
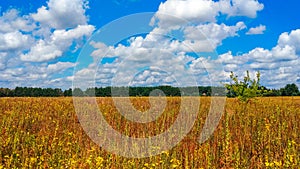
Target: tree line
288 90
102 91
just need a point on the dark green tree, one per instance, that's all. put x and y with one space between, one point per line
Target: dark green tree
78 92
90 92
5 92
290 90
68 92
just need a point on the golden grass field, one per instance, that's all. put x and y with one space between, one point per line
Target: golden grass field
45 133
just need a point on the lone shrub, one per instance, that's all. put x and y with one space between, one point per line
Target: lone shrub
245 89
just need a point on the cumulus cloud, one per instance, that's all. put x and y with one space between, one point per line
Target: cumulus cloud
3 57
60 41
135 62
211 33
247 8
171 55
29 42
162 60
256 30
152 77
191 10
13 41
59 15
202 11
291 39
12 25
69 21
199 38
129 69
62 14
11 21
36 75
60 66
278 65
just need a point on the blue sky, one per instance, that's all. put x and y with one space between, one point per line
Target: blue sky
197 42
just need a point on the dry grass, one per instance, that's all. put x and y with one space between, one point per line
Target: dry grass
45 133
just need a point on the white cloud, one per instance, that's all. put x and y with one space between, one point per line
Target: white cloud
278 66
291 39
277 53
62 14
191 10
41 75
257 30
11 38
200 38
167 55
154 59
60 41
172 55
173 13
41 37
78 32
228 58
70 23
247 8
208 72
152 77
211 33
3 59
197 20
101 50
60 66
13 41
277 78
128 70
42 51
201 65
10 21
284 53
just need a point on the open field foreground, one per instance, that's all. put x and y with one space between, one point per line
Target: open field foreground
45 133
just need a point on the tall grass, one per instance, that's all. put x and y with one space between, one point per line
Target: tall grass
45 133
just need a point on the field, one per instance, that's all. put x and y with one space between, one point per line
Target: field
46 133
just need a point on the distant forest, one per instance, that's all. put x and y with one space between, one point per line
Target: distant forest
288 90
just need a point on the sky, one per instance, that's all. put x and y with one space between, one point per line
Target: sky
87 43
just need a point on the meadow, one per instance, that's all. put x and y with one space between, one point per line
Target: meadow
45 133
